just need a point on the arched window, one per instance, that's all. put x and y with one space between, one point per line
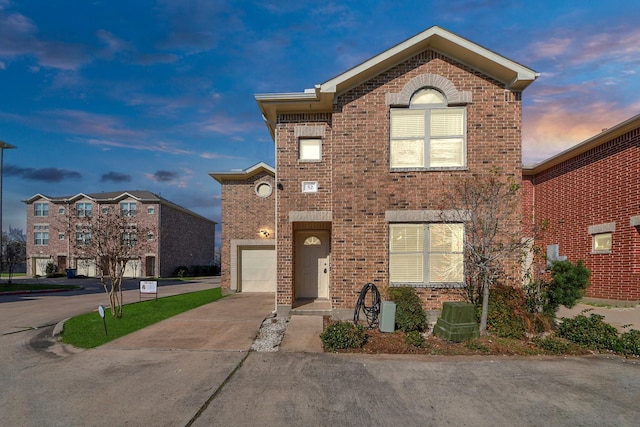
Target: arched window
312 241
429 134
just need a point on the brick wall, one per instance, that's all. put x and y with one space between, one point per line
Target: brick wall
244 214
596 187
185 240
355 182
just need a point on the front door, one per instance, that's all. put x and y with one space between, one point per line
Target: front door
312 264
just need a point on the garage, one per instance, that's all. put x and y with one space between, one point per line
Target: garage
257 269
86 267
132 269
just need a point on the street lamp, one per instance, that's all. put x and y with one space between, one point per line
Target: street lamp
3 146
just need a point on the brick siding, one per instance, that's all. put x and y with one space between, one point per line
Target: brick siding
596 187
355 181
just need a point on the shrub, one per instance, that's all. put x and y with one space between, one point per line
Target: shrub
50 268
629 342
553 344
340 335
414 338
506 317
567 286
409 313
591 332
181 271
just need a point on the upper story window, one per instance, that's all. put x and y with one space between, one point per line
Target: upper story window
428 134
41 234
84 209
128 209
61 211
151 210
41 209
310 149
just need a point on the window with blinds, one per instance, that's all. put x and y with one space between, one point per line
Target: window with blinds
426 254
428 134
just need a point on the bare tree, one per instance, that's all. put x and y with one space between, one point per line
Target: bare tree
489 206
14 251
111 238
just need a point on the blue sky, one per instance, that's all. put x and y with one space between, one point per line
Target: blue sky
153 95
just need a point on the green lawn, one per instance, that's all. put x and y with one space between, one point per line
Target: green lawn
5 287
87 330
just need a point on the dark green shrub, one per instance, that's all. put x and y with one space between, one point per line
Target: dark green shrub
409 313
553 344
50 268
567 286
340 335
507 316
414 338
629 343
591 332
181 271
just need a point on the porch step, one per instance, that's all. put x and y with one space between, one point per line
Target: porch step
311 312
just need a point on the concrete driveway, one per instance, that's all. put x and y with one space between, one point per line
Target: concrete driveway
196 369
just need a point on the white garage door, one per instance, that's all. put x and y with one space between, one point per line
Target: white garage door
258 270
133 268
40 266
86 267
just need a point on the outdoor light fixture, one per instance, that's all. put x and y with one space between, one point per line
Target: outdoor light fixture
265 233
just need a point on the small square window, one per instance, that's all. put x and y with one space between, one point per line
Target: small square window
61 211
602 242
310 150
151 210
60 236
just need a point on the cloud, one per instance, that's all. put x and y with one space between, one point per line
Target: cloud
43 174
115 177
551 128
165 176
157 146
19 38
198 25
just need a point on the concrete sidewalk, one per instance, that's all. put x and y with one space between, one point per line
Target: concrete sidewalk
618 316
229 324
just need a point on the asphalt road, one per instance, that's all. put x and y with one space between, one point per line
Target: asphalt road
46 383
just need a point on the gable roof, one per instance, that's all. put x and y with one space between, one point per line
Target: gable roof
584 146
115 197
242 174
320 99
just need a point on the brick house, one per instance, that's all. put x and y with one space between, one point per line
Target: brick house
248 256
590 196
178 236
361 161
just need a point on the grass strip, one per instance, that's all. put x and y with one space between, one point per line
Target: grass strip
87 330
14 287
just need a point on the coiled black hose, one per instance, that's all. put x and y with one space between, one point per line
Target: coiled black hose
371 311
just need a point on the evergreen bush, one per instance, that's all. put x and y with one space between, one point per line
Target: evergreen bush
409 313
339 335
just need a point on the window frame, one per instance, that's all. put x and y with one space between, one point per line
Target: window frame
426 255
594 243
128 212
310 159
41 209
427 138
82 211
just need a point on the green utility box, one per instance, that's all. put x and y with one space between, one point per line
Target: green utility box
387 316
457 322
